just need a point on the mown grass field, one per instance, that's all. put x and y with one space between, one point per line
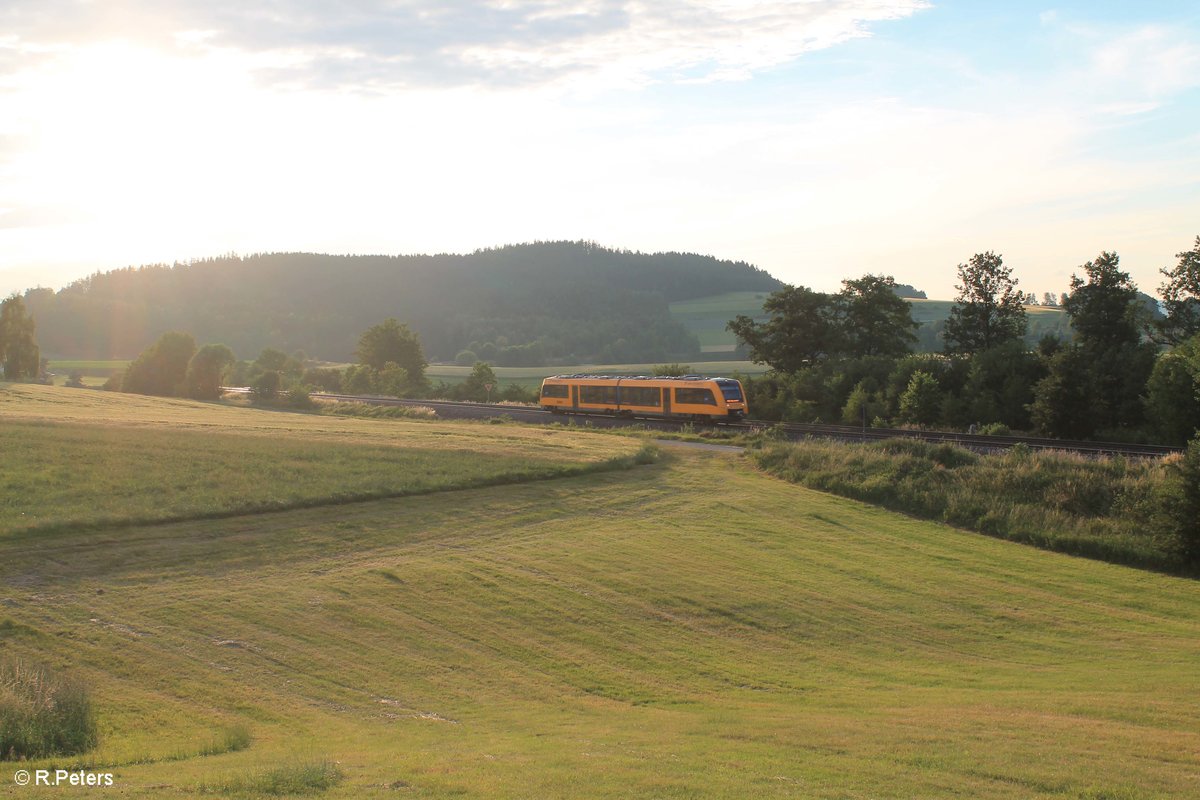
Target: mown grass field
79 457
690 628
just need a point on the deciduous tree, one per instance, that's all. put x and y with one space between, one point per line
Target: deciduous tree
207 370
1104 309
802 330
1181 298
873 320
391 341
989 308
19 354
161 368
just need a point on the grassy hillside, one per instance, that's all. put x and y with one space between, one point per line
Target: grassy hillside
691 628
707 317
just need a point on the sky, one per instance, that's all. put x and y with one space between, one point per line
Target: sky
816 139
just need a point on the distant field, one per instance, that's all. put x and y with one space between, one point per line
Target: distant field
95 368
707 317
691 628
528 377
531 377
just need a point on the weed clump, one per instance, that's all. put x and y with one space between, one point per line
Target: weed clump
43 713
301 777
231 740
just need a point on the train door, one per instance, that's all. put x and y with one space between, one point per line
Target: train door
666 404
574 396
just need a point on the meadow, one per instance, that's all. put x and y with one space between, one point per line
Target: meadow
690 627
83 458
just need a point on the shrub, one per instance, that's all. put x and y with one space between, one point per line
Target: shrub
266 385
300 397
1185 506
43 713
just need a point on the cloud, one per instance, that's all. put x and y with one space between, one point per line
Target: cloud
1151 61
441 43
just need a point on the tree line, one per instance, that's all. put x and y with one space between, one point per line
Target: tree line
389 362
1126 373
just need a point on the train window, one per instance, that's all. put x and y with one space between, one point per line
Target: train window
556 390
598 395
704 397
641 396
731 389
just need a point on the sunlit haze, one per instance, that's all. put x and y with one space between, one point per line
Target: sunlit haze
818 140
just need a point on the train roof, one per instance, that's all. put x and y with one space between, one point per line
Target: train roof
582 375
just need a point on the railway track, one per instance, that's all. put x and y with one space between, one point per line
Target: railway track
794 430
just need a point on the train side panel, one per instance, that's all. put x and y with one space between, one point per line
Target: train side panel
693 398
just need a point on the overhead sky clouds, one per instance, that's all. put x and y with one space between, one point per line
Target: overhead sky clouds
427 43
819 139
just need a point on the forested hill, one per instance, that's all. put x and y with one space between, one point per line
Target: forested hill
562 302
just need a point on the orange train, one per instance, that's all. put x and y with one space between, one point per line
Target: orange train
692 397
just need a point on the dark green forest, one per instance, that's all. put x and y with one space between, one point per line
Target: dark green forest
519 305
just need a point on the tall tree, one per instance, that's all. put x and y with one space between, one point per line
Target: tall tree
206 371
989 308
19 352
1108 361
1104 310
391 341
802 330
1181 298
874 321
161 368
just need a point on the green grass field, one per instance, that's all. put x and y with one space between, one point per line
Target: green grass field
707 317
689 628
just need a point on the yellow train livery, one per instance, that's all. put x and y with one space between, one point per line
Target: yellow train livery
692 397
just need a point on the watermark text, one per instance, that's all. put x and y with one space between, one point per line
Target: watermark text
61 777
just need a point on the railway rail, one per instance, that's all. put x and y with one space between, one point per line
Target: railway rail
794 430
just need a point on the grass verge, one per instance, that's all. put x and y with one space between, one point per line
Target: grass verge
1110 509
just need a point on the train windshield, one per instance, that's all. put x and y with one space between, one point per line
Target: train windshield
731 389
